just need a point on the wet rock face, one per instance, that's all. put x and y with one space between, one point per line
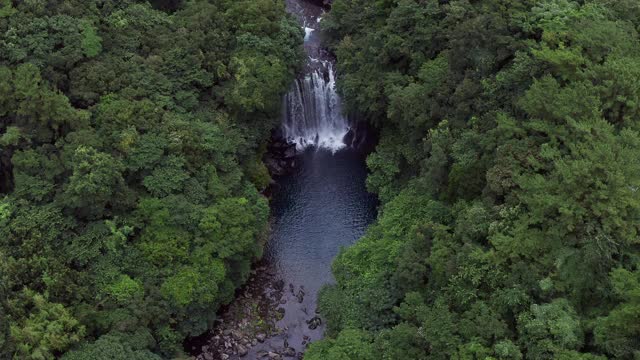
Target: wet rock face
280 156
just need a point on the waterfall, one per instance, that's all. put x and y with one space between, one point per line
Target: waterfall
312 115
311 111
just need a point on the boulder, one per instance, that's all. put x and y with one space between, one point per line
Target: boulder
314 322
237 335
349 137
242 351
289 352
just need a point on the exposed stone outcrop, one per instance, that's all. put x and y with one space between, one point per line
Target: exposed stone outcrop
280 155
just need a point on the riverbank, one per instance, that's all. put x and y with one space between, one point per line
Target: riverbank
251 320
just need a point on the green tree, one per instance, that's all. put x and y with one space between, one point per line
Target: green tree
109 347
617 332
49 329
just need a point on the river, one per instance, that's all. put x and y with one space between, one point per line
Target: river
319 208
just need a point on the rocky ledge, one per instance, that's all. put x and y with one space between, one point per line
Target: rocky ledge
280 156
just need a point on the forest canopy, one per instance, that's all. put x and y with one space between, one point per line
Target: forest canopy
131 138
508 168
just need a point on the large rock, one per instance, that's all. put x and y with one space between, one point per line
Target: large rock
349 137
314 322
261 337
289 352
236 334
242 351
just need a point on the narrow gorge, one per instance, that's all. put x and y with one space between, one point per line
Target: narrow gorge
318 205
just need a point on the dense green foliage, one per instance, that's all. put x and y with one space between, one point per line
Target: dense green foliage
130 169
508 168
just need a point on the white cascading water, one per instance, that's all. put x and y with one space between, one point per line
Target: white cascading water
312 115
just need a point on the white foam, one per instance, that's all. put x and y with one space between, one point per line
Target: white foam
312 113
307 33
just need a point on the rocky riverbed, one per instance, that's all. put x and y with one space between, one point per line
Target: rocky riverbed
251 327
